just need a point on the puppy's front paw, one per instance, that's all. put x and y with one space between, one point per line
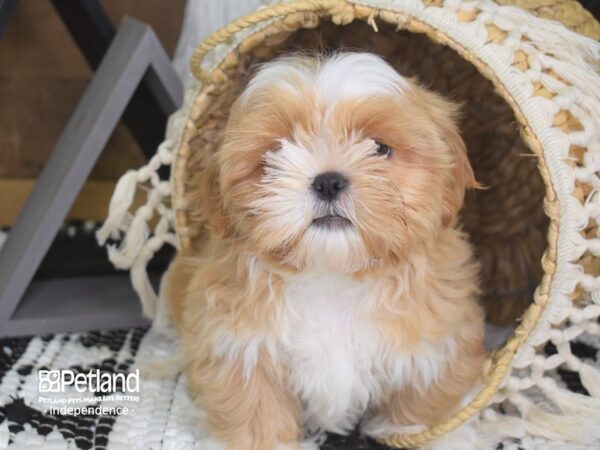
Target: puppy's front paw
463 438
380 427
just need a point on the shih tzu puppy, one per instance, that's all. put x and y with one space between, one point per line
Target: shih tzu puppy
332 286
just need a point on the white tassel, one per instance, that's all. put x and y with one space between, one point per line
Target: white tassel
578 417
566 427
501 426
575 421
143 287
590 378
119 206
570 401
124 256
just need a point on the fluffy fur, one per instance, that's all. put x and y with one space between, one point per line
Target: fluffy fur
290 327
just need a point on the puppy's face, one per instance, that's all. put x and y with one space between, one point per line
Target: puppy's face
338 163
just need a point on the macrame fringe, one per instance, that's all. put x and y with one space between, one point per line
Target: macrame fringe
574 419
123 255
118 208
143 287
138 241
590 378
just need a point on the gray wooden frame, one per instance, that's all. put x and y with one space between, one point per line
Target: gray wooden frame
92 302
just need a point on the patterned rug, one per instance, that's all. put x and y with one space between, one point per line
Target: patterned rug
158 415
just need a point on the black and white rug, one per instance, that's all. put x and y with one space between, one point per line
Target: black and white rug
155 414
159 416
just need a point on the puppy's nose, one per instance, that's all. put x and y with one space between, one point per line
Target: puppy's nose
328 185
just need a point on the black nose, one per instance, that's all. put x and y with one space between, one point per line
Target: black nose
328 185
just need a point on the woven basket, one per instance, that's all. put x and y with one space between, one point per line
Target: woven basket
530 91
506 222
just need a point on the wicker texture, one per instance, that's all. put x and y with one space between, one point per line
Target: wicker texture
506 221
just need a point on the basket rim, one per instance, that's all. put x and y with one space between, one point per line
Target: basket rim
499 362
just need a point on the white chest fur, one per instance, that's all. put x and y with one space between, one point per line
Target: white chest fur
332 349
338 361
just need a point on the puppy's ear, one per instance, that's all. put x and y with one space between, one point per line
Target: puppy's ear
444 115
218 219
207 199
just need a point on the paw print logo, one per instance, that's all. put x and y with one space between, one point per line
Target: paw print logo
48 381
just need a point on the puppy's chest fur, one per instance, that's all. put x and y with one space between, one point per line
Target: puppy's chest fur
339 362
331 347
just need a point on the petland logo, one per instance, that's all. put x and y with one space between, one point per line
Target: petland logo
93 381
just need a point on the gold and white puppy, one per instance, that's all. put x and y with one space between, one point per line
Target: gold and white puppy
332 285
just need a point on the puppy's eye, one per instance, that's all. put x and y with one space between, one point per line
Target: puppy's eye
383 150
